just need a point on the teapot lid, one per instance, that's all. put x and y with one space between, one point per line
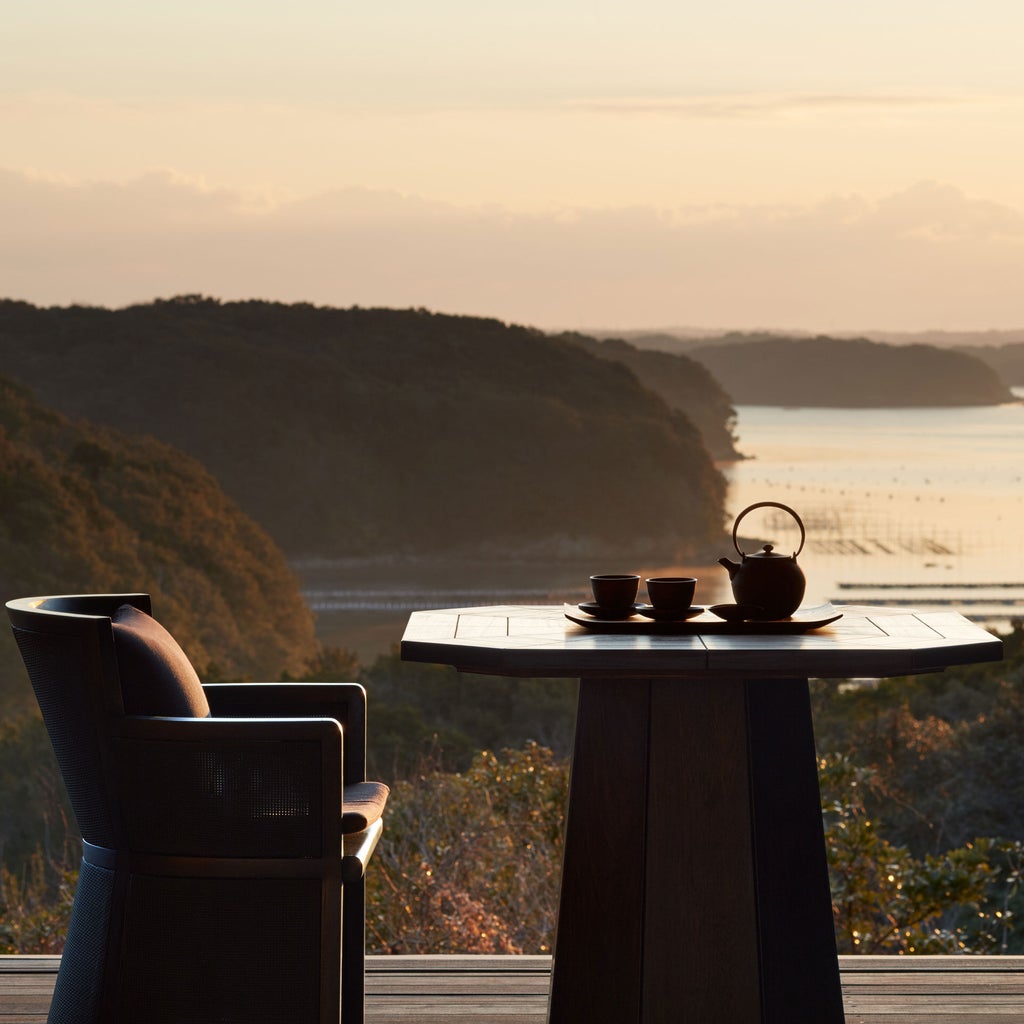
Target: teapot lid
768 551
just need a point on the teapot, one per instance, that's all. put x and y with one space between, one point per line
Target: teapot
767 579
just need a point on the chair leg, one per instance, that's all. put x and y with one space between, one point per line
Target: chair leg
353 951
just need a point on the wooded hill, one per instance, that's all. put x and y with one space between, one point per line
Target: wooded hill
683 384
1006 360
848 373
368 432
89 510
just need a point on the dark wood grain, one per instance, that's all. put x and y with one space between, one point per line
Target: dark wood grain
599 940
513 989
800 972
701 949
538 640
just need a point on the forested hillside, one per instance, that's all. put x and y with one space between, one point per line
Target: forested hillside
851 373
85 509
364 432
1006 360
683 383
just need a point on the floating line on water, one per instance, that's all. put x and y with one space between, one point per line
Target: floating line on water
930 586
357 605
996 605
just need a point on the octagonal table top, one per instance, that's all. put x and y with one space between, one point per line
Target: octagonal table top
538 640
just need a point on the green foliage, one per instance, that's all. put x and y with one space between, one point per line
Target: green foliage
35 816
421 710
889 896
85 509
934 762
33 917
471 861
887 901
945 748
329 664
471 864
358 432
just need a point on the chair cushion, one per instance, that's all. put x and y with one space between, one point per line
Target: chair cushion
156 676
362 803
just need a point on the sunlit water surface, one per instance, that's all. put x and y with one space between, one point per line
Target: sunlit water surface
913 506
919 507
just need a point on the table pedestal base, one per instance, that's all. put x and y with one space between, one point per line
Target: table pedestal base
694 886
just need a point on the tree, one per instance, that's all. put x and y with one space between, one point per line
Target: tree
887 901
471 861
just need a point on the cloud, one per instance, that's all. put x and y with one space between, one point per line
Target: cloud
768 105
158 199
927 256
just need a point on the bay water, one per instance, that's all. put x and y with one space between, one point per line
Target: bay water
917 507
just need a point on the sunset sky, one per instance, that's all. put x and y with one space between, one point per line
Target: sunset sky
565 164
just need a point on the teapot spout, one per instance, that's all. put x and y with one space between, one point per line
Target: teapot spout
730 565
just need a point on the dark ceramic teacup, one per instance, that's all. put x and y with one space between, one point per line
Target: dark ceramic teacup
615 591
671 593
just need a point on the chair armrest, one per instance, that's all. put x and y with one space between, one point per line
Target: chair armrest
235 787
344 702
357 850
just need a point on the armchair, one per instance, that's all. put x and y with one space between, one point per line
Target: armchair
226 828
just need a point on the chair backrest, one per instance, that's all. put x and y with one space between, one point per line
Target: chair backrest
67 644
210 885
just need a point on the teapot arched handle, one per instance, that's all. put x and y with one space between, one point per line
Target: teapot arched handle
767 504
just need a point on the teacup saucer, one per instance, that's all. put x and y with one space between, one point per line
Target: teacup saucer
736 612
600 612
671 614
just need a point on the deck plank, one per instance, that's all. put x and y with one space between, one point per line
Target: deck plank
514 989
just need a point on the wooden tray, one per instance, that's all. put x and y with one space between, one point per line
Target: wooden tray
802 621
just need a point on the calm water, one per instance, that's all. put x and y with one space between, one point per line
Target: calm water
909 505
912 506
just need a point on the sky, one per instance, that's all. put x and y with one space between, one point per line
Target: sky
806 165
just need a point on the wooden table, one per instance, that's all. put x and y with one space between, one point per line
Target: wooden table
694 883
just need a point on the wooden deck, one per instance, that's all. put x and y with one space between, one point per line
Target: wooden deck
513 990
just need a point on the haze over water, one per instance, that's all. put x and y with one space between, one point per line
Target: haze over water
906 505
918 507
